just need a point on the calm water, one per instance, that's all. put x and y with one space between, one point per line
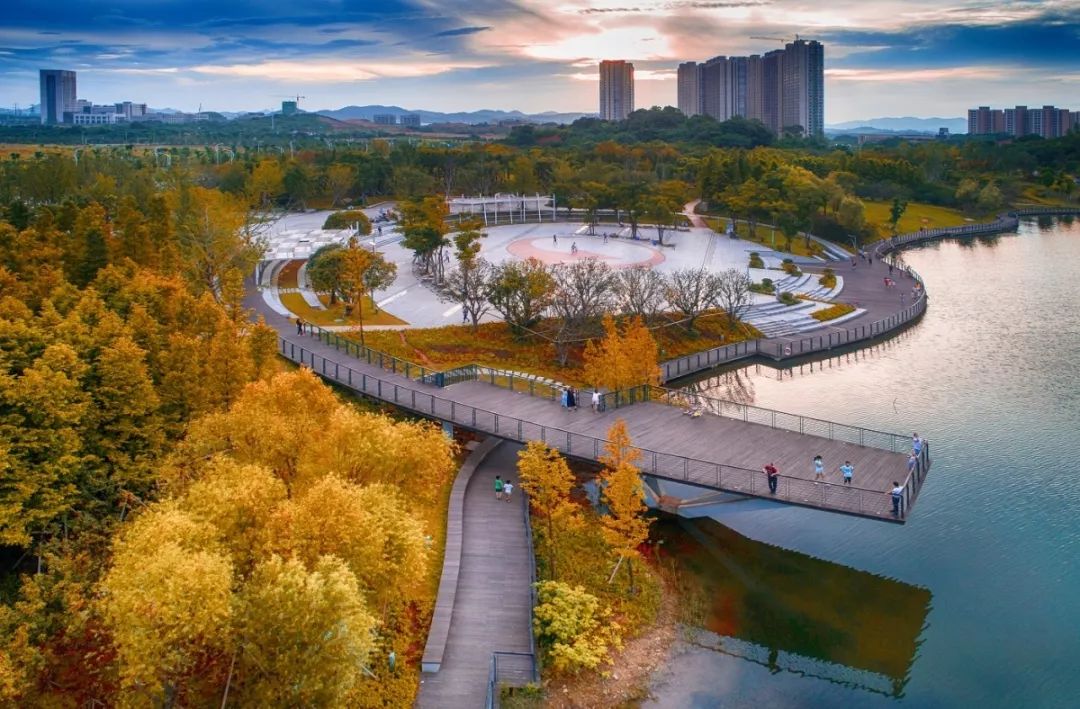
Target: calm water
976 601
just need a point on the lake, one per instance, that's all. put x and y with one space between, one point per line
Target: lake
976 600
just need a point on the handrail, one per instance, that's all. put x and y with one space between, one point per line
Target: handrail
773 418
721 476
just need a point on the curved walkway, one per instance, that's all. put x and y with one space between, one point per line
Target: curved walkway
493 600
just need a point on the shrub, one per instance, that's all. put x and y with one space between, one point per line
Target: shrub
828 278
572 626
788 298
755 260
346 219
790 268
831 313
766 286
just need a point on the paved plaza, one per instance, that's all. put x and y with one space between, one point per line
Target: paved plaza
411 298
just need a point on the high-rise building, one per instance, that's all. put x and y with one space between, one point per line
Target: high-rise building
804 87
1047 122
715 92
412 120
690 88
385 119
755 88
782 88
772 90
616 90
58 94
289 108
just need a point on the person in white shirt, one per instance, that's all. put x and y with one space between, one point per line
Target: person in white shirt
508 487
596 401
897 498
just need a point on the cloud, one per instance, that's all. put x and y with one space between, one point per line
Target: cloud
460 31
331 71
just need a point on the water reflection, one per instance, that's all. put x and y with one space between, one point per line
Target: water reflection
794 613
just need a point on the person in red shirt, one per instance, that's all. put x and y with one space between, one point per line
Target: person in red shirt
773 476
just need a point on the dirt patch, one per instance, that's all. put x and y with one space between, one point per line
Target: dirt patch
419 353
624 683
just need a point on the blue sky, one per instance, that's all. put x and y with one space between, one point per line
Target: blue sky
894 57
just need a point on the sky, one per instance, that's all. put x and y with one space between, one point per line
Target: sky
882 58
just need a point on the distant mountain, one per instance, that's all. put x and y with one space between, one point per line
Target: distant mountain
471 117
907 124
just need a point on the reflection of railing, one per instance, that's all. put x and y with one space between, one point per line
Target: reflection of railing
728 478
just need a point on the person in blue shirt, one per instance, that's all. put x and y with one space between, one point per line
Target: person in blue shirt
916 444
848 470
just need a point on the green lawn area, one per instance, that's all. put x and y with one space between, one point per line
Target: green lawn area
331 314
493 345
916 216
765 237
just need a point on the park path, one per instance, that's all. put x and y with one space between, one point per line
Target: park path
493 604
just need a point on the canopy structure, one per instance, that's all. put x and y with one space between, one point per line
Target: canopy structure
504 208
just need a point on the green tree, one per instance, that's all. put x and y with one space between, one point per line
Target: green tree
897 210
521 292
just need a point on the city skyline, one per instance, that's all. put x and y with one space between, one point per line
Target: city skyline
911 58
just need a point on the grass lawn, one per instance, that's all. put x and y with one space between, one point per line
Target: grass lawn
916 216
765 237
1037 195
493 345
330 314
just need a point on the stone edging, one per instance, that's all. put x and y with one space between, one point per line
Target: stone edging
439 631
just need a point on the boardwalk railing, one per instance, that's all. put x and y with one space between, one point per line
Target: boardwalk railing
892 442
720 476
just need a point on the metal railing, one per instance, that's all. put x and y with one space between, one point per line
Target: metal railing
513 669
781 420
720 476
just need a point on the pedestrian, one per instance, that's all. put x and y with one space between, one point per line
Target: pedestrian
912 461
464 313
508 487
890 269
848 470
573 248
869 260
916 444
555 239
773 476
564 397
571 399
897 498
498 487
819 468
596 401
299 326
605 237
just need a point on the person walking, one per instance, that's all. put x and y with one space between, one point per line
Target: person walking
912 461
564 398
819 468
464 313
916 445
773 476
596 401
555 239
571 399
847 470
299 326
508 487
498 487
897 498
605 237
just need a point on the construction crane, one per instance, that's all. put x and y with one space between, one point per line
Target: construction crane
294 98
785 40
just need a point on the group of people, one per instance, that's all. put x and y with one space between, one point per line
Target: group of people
568 398
847 470
503 488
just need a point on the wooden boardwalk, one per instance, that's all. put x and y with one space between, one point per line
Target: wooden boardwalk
711 452
493 600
